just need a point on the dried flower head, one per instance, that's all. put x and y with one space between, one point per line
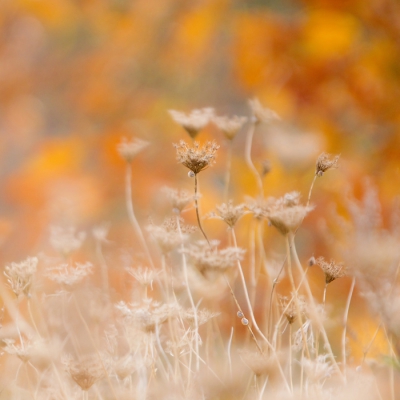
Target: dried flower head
179 199
168 236
229 213
286 213
288 308
148 314
194 122
145 276
230 126
259 363
24 351
203 316
265 167
100 232
319 369
128 150
262 114
326 161
85 373
196 158
66 240
205 257
331 269
256 206
68 274
19 275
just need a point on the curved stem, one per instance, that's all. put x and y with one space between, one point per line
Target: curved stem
249 162
197 209
253 320
314 308
194 308
345 318
228 171
131 214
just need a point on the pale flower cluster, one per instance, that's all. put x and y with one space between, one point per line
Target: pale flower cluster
20 275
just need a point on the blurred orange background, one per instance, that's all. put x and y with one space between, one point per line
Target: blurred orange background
76 76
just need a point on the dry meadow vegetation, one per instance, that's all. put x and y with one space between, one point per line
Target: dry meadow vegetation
205 312
199 199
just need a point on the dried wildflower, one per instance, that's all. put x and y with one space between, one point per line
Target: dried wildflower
205 257
307 333
145 276
202 316
331 269
229 213
148 314
326 161
196 158
288 309
259 363
195 121
312 261
319 369
286 213
182 343
85 373
230 126
129 150
256 206
100 233
179 199
167 236
262 114
23 351
19 275
66 240
68 274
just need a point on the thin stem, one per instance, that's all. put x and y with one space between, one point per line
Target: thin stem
310 191
229 352
242 313
194 308
253 320
318 333
296 300
314 308
345 318
247 155
131 214
197 209
228 171
290 358
103 267
93 344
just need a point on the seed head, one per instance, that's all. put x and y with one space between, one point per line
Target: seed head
286 213
194 122
179 199
68 274
262 114
196 158
206 258
128 150
85 373
19 275
229 213
230 126
331 269
324 162
66 240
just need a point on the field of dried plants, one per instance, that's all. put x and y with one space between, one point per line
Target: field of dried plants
199 201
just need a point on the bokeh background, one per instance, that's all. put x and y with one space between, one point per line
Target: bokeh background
77 76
